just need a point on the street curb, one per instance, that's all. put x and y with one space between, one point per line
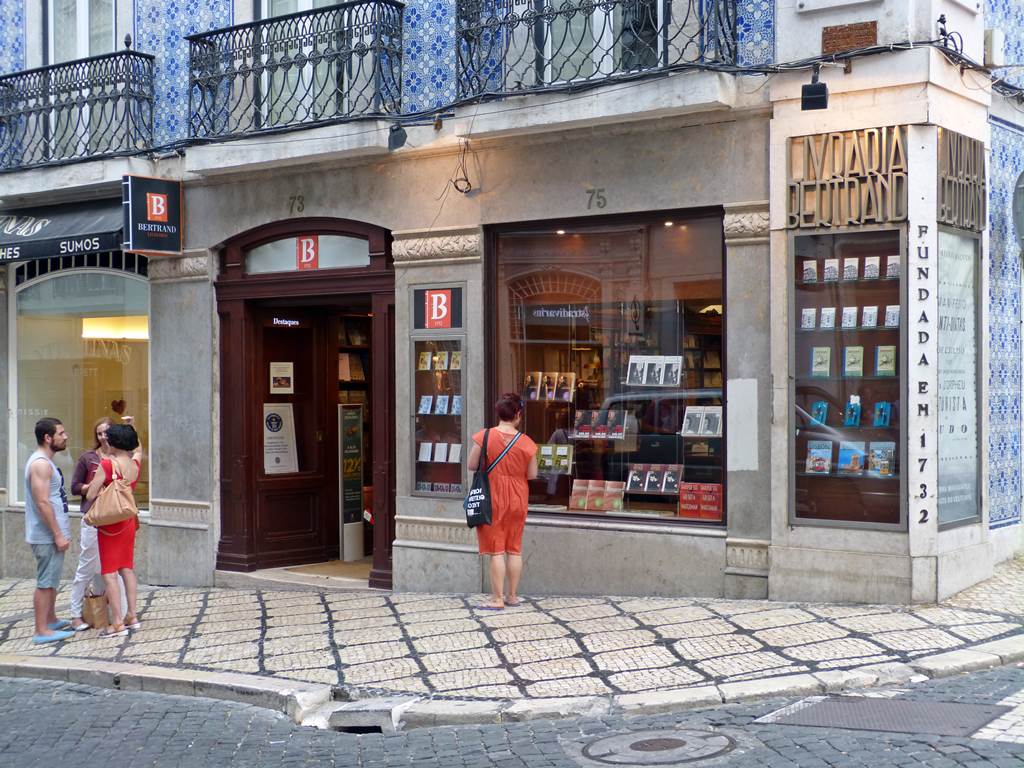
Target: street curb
290 697
314 705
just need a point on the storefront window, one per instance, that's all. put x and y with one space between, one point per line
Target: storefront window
82 353
612 333
848 378
308 252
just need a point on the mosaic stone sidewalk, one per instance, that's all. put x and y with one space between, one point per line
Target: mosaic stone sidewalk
441 646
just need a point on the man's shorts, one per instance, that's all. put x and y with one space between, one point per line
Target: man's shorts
49 563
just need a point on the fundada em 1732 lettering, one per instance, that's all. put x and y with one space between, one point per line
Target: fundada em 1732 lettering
847 178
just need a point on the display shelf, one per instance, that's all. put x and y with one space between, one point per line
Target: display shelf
438 436
865 492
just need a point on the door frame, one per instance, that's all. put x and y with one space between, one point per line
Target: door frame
240 439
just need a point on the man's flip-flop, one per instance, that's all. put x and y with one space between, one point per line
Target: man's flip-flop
56 637
59 624
510 604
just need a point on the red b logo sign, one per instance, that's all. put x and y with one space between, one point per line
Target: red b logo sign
307 252
438 309
156 206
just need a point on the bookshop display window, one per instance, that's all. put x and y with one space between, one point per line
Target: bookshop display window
612 333
847 374
438 404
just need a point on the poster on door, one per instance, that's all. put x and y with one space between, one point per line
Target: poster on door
350 437
957 372
282 378
279 454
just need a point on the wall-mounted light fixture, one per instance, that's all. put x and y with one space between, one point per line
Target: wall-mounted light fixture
814 95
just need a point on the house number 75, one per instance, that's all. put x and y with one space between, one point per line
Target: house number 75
596 198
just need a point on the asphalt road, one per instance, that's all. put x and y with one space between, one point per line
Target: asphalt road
43 724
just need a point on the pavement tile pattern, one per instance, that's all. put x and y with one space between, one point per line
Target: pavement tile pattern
443 646
158 731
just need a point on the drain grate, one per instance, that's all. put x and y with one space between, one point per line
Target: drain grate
672 747
889 715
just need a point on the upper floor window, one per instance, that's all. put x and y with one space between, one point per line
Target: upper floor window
80 28
270 8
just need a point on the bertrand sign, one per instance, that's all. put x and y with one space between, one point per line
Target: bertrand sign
848 178
962 193
152 215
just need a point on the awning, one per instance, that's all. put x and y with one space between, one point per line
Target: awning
60 230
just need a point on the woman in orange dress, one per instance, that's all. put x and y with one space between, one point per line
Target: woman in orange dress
510 493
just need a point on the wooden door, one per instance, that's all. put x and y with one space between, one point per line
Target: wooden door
291 507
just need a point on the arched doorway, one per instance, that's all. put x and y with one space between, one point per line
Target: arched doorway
306 310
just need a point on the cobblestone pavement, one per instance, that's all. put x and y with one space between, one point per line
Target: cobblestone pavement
146 730
442 646
1003 592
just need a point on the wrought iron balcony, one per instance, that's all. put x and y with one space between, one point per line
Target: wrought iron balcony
305 68
511 46
89 108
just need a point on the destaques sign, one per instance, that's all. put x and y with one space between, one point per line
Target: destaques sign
847 178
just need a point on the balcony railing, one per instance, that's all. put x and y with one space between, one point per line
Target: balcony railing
311 67
511 46
89 108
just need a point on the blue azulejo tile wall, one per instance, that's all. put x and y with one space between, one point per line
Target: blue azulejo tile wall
755 32
429 47
160 28
12 36
1008 15
1004 378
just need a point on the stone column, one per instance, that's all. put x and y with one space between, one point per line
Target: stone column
181 539
748 399
433 548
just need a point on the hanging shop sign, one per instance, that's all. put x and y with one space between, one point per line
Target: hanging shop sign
847 178
153 215
962 193
435 308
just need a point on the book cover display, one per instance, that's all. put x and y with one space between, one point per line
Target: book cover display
438 403
848 382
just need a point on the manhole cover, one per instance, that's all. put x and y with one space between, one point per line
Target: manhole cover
674 747
889 715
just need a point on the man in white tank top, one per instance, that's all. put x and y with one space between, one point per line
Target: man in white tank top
47 528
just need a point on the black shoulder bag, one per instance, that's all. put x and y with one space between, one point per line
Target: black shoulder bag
478 500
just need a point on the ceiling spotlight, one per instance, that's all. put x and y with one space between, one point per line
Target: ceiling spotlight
559 231
396 137
669 223
814 95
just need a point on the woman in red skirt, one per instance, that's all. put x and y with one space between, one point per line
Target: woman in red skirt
117 541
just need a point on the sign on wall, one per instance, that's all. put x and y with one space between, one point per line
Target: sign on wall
153 215
962 194
847 178
279 453
957 379
435 308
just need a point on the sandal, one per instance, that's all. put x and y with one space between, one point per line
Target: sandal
134 622
119 631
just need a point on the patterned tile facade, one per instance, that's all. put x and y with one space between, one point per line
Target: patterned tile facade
160 27
12 36
1008 15
755 31
1007 163
429 48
